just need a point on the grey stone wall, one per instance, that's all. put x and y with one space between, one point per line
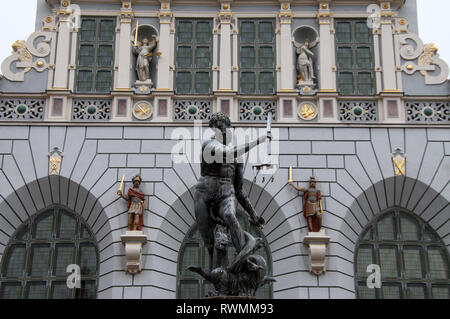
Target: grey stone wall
353 168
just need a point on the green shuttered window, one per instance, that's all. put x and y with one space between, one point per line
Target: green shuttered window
35 262
354 56
193 56
413 261
257 56
95 66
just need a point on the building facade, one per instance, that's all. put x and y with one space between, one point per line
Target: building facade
358 101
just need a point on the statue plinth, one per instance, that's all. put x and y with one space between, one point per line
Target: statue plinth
317 243
134 241
143 87
307 87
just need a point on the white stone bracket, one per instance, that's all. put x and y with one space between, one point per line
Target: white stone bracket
133 241
317 243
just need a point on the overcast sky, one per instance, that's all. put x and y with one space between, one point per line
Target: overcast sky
17 22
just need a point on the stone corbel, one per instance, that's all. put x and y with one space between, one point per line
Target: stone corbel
23 54
133 241
317 245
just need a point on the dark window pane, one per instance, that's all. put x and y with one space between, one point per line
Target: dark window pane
189 289
40 260
202 57
86 55
36 290
11 290
185 32
266 57
248 57
88 30
15 261
386 228
107 30
203 32
266 32
247 32
441 291
343 32
104 81
389 262
364 258
184 57
67 226
248 82
365 292
85 232
184 84
105 56
64 256
362 33
412 257
43 229
363 58
60 290
346 83
88 259
391 291
345 58
409 228
266 82
84 81
365 83
88 290
437 263
191 256
416 291
202 85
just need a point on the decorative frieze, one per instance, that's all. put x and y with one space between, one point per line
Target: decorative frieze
256 111
427 111
22 109
91 110
354 111
190 110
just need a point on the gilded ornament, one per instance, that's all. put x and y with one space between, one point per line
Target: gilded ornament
20 47
429 51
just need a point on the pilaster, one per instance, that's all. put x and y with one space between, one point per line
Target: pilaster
387 48
286 59
165 65
327 75
123 63
61 75
225 18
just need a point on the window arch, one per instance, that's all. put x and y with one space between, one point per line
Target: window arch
190 285
413 260
36 258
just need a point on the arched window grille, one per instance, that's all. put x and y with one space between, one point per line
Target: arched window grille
414 262
190 285
36 258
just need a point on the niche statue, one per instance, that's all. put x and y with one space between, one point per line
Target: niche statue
144 51
305 66
219 189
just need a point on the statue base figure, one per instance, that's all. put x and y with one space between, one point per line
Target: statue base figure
317 243
307 87
133 241
143 87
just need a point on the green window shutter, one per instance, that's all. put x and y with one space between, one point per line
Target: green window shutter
193 56
96 44
257 56
354 58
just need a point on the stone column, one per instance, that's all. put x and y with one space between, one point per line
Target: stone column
123 78
164 68
225 17
286 63
387 49
61 75
326 61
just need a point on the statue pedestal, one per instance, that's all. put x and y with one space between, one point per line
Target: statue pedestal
133 241
317 243
307 87
143 87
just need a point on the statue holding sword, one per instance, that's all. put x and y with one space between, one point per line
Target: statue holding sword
136 203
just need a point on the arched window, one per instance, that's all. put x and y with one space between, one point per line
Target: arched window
413 260
36 258
193 253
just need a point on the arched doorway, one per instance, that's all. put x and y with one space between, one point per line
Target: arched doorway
413 260
36 258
